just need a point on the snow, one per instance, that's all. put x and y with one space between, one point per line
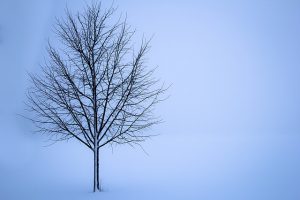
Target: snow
198 167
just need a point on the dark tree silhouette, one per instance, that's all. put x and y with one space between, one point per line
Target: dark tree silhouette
94 87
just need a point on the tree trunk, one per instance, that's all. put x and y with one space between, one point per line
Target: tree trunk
96 171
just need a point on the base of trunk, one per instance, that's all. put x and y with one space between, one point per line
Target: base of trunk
97 184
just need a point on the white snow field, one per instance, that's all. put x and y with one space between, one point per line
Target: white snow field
210 167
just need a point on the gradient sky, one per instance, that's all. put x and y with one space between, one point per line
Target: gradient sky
234 67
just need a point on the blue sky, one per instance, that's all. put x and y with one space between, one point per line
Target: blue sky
234 67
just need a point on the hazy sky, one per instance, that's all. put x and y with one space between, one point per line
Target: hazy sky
234 67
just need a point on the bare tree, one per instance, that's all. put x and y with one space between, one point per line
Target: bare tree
94 87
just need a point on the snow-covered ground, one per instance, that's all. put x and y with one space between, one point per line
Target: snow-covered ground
178 166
